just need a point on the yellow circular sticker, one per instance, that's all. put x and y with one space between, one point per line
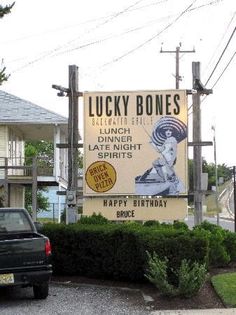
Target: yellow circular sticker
100 176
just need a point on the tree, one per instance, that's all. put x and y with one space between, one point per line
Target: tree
44 152
42 201
6 9
3 11
222 170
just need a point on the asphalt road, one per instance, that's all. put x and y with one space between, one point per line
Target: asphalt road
75 299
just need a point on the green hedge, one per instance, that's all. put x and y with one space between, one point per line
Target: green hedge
222 243
119 251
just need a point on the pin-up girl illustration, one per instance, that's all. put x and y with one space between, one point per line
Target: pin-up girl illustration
161 178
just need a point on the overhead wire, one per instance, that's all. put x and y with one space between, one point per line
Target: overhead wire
131 30
218 61
108 19
189 10
221 40
54 30
151 38
56 51
222 54
231 59
220 76
112 36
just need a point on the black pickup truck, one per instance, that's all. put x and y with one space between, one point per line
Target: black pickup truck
24 253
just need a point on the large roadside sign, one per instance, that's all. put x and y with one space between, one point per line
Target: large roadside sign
135 143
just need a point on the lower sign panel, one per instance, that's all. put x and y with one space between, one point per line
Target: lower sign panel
132 208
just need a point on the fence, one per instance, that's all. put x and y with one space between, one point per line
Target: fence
52 213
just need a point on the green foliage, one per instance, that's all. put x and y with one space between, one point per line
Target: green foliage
222 171
3 75
152 223
230 245
218 254
42 201
209 168
2 197
39 148
118 251
157 274
43 150
93 219
176 225
191 276
3 11
180 225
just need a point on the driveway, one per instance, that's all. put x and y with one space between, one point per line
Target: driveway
81 299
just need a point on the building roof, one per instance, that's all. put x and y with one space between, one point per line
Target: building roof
16 110
32 121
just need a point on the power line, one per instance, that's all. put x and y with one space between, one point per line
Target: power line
109 19
59 29
205 5
231 36
151 38
99 41
220 76
231 59
223 36
51 53
131 30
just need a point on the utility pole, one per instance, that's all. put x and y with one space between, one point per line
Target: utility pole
216 177
177 51
234 183
72 145
197 143
73 128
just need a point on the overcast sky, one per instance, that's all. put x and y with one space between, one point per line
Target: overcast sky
116 45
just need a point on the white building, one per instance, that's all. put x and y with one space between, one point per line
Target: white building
21 120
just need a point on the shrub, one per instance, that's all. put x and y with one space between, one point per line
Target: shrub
180 225
118 251
230 244
157 274
93 219
152 223
191 276
218 254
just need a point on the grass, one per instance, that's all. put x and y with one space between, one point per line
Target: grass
225 286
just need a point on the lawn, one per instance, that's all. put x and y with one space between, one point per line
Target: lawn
225 286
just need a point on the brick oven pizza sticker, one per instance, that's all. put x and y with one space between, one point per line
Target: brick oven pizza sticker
100 176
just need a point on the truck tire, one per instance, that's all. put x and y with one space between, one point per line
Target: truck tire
41 290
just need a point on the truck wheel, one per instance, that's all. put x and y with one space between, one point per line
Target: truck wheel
41 290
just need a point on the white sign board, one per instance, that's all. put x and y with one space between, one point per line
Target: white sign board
135 143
